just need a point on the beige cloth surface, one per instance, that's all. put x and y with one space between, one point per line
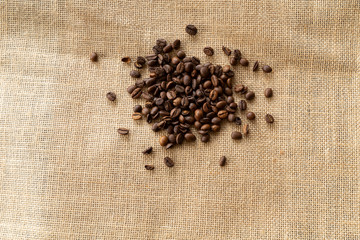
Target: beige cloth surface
65 173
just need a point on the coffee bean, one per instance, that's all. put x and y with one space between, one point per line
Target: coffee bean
267 68
175 60
172 138
191 29
181 54
179 138
222 114
209 51
237 54
256 66
136 116
189 137
242 105
135 74
268 92
222 161
238 121
231 117
239 88
163 140
215 128
233 61
131 88
94 57
204 72
155 127
126 59
244 62
226 50
198 114
138 65
168 48
169 145
269 118
145 111
245 129
221 104
149 167
250 115
168 162
176 44
123 131
216 120
205 138
213 95
137 108
148 150
226 68
111 96
250 95
236 135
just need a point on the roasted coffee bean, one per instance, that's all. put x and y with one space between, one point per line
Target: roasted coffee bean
226 68
236 135
172 138
197 124
149 167
145 111
228 91
179 138
168 162
123 131
198 114
126 59
191 29
269 118
268 92
175 113
154 110
138 65
189 137
148 150
149 118
256 66
163 140
155 127
238 121
267 69
213 95
161 42
239 88
171 95
242 105
250 115
147 96
111 96
222 161
131 88
237 54
204 72
250 95
137 108
136 116
136 93
244 62
168 48
189 66
221 104
230 99
176 44
175 60
245 129
222 114
94 57
226 50
233 61
159 101
205 127
216 120
231 117
135 74
209 51
205 138
215 128
169 145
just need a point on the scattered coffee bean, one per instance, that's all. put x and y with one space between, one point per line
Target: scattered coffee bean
242 105
244 62
163 140
250 115
169 162
205 138
135 74
250 95
268 92
226 50
136 116
176 44
94 57
189 137
267 68
111 96
168 48
237 54
137 108
222 161
269 118
245 129
123 131
236 135
256 66
149 167
209 51
233 61
191 29
238 121
126 59
148 150
231 117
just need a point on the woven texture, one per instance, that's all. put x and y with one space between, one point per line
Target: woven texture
65 173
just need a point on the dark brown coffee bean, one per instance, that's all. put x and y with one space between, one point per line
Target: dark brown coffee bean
213 95
209 51
226 50
236 135
176 44
152 63
237 54
250 115
250 95
137 108
222 161
171 95
256 66
111 96
268 92
138 65
123 131
168 48
215 128
197 124
239 88
267 68
136 116
154 110
222 114
245 129
198 114
163 140
145 111
94 57
175 60
136 93
161 42
205 127
238 121
189 66
131 88
226 68
204 72
189 137
230 99
135 74
244 62
269 118
231 117
155 127
242 105
175 113
126 59
205 138
149 118
228 91
172 138
233 61
149 167
191 29
216 120
170 129
148 150
168 162
159 101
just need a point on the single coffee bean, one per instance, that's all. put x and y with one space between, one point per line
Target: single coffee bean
131 88
175 60
149 167
226 68
222 114
172 138
136 116
250 115
269 118
238 121
233 61
94 57
181 54
135 74
237 54
189 137
155 127
163 140
221 104
176 44
138 65
123 131
256 66
205 127
216 120
168 162
205 138
242 105
231 117
111 96
215 128
126 59
222 161
250 95
168 48
267 68
197 124
239 88
137 108
179 138
226 50
148 150
145 111
204 72
245 129
154 110
209 51
213 95
236 135
244 62
191 29
198 114
268 92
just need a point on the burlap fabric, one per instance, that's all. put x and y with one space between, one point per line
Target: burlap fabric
65 173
